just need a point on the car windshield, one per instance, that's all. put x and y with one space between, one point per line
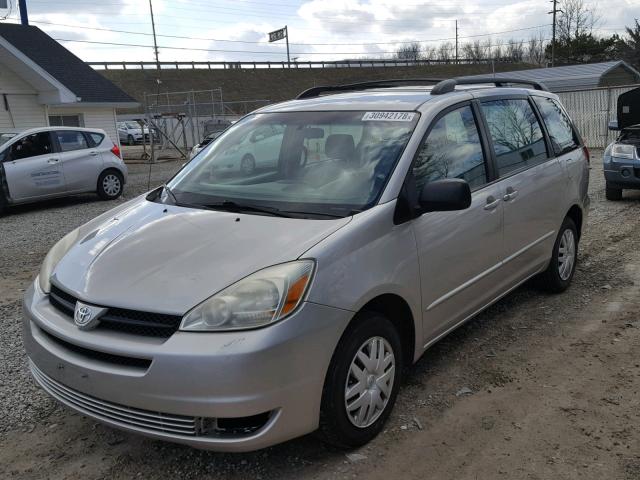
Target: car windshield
312 164
5 137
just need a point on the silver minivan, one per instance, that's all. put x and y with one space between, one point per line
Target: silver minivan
48 162
233 310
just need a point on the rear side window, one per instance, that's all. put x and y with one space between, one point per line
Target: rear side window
515 133
559 126
452 150
32 146
70 141
96 138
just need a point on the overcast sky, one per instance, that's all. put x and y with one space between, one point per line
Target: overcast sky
349 29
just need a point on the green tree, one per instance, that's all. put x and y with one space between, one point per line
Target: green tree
631 45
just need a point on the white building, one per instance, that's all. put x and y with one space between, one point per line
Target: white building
42 83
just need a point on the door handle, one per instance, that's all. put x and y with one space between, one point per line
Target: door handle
492 203
93 154
510 195
53 160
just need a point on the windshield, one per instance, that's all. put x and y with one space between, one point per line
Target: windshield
5 137
329 164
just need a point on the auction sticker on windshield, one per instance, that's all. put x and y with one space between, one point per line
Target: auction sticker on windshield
388 116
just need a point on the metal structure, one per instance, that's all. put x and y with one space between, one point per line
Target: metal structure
180 120
251 65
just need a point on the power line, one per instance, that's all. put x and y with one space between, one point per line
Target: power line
292 43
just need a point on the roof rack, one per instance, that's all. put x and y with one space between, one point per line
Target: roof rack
317 91
449 85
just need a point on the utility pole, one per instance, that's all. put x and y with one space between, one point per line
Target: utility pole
155 41
456 41
553 35
24 17
286 31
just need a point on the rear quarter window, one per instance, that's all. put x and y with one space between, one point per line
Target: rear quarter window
561 131
95 138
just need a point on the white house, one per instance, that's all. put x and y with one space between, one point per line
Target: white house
42 83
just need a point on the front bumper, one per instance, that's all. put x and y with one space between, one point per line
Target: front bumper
622 173
278 370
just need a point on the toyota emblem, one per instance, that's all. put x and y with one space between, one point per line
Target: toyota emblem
87 317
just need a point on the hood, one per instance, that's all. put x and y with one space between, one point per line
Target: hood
628 111
168 259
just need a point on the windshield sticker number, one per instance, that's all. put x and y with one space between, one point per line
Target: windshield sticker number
388 117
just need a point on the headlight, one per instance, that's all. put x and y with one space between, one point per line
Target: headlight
260 299
622 150
53 257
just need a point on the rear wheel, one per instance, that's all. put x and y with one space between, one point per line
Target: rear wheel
130 140
362 382
110 185
612 193
558 275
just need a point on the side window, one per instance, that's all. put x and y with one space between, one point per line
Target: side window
96 138
452 150
32 146
517 137
558 125
70 141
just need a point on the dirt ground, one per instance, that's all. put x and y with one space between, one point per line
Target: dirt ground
536 387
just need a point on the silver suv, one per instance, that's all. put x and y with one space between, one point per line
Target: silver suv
232 309
44 163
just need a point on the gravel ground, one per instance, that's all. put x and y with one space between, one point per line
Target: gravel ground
536 387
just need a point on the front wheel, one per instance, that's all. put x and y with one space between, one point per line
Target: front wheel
130 140
110 185
558 275
362 382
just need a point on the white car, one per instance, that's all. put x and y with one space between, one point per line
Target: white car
258 149
49 162
131 133
206 141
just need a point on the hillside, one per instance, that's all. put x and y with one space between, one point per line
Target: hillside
277 84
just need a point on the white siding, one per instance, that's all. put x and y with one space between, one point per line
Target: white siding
24 110
12 83
92 117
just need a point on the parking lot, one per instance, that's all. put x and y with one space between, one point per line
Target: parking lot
536 387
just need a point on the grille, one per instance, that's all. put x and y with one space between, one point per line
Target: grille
120 319
146 420
100 356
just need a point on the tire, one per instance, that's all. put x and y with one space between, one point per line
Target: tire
130 140
557 277
337 426
110 185
612 193
248 164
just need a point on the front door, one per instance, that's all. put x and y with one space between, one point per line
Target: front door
33 169
460 252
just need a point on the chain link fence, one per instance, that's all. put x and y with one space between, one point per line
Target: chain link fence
591 111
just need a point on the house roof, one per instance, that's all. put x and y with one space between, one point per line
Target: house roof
87 84
569 77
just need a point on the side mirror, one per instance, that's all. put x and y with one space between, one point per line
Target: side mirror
445 195
613 125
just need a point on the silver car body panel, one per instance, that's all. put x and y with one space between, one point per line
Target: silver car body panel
445 266
58 173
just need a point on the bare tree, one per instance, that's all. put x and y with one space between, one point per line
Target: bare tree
444 51
411 51
515 50
473 51
575 19
536 49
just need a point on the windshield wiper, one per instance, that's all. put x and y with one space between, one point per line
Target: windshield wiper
235 207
